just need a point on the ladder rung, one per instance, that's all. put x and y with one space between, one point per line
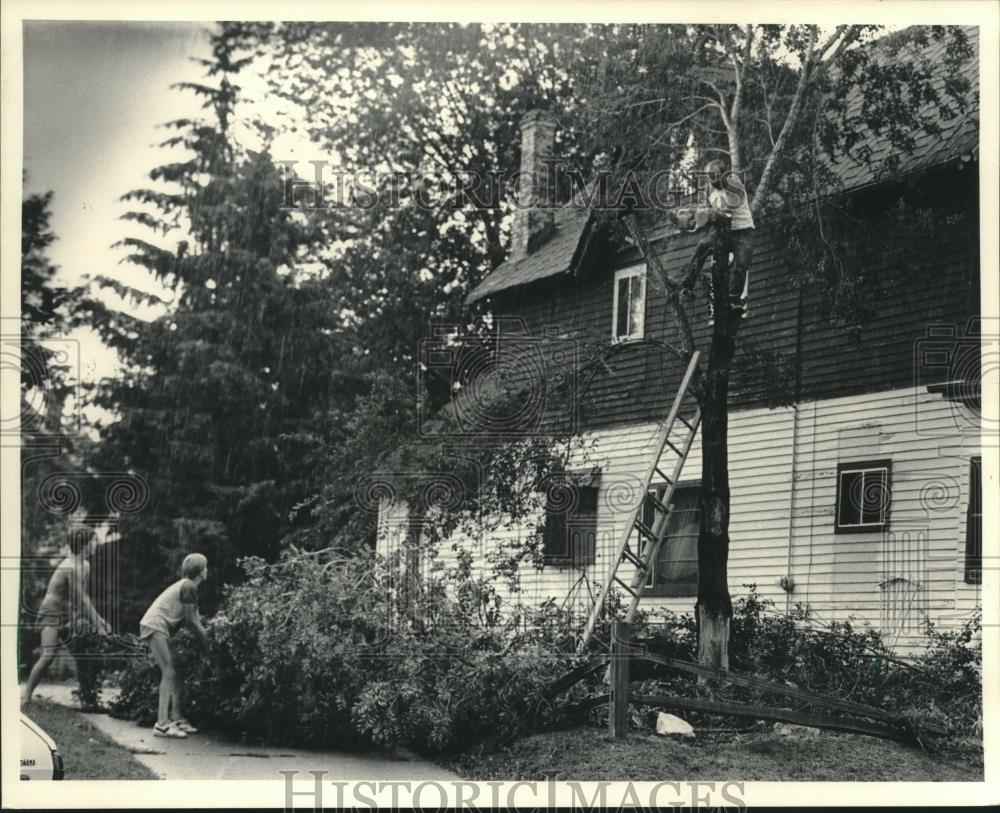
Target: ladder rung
645 530
658 504
635 560
634 553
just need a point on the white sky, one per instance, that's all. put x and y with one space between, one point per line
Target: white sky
95 94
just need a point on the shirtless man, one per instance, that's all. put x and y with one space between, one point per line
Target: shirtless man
66 608
176 605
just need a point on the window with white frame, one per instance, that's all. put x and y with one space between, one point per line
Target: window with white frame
863 491
629 304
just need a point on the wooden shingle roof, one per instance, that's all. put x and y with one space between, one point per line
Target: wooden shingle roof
959 136
552 258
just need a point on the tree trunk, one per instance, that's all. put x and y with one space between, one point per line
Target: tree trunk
714 607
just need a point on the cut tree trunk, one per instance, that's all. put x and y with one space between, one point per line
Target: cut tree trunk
714 607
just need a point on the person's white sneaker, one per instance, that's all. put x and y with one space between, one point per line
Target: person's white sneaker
185 726
169 730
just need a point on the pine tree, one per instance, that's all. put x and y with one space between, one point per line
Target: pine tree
219 401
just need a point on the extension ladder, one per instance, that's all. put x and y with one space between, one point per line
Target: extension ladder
650 537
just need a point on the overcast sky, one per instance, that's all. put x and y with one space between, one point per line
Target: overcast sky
94 93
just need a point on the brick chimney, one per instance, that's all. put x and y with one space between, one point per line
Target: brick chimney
534 215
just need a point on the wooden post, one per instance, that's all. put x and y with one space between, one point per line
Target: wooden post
618 705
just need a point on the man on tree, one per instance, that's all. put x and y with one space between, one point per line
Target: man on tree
731 226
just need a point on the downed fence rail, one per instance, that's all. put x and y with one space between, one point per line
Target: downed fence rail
861 719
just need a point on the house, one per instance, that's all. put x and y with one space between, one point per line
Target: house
862 499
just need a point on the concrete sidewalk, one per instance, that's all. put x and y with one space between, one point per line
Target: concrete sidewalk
212 756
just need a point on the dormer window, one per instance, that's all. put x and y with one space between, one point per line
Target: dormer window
629 315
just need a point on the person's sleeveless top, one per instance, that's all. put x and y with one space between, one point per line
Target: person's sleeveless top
166 613
733 199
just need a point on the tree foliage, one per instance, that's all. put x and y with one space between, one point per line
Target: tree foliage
789 106
220 403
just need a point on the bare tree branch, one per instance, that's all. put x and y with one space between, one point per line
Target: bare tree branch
734 115
719 93
643 103
768 106
852 33
836 35
670 291
724 36
672 125
706 99
791 119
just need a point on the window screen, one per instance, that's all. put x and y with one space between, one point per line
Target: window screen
863 496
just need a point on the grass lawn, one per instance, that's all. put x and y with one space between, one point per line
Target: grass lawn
590 754
87 753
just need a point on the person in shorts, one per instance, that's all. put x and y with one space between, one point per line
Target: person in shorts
66 609
175 606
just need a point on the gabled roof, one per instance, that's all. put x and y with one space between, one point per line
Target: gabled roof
552 258
959 138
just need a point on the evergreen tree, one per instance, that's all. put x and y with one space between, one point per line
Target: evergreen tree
219 402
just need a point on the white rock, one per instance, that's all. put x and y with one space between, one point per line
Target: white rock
669 724
789 730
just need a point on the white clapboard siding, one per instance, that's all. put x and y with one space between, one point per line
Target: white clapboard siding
913 571
782 517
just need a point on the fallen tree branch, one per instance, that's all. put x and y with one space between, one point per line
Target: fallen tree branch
779 715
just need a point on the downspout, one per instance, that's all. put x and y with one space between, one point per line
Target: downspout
795 436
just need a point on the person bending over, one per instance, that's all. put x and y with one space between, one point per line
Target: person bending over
175 606
66 609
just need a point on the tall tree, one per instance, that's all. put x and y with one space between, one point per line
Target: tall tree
54 440
54 436
436 102
221 397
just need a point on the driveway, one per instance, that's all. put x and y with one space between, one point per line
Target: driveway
212 756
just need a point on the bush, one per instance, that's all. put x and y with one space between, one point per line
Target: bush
351 653
942 685
94 657
348 653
